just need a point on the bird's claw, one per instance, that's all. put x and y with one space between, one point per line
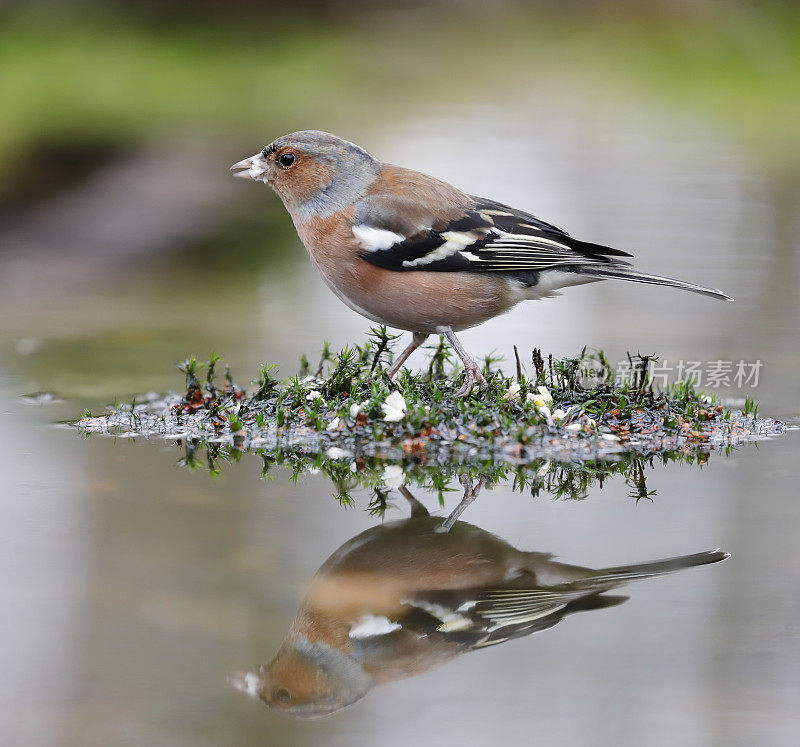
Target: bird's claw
472 374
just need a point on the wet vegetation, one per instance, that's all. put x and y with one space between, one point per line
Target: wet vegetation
377 478
557 426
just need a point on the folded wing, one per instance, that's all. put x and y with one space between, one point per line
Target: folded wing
486 237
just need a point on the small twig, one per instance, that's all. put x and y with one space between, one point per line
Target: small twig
519 365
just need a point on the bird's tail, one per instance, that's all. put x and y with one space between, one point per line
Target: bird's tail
609 577
622 272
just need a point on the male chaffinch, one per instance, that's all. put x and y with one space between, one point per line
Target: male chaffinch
412 252
405 597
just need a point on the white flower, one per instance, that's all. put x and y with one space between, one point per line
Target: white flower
355 408
552 417
313 470
589 421
543 470
543 397
394 408
334 452
393 476
513 393
333 425
575 427
311 396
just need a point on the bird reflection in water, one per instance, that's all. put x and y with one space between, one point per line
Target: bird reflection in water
408 596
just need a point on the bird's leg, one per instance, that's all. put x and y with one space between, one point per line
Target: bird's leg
470 494
472 372
417 509
417 340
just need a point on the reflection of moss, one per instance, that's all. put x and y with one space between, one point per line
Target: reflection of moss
110 76
566 481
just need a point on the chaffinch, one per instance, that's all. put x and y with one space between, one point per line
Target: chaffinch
412 252
405 597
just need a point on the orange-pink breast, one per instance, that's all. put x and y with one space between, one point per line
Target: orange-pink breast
417 301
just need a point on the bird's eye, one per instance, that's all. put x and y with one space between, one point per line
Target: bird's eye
282 695
286 159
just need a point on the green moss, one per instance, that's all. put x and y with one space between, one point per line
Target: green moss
576 409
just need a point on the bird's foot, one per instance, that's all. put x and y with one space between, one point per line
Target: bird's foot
416 341
471 371
472 374
394 368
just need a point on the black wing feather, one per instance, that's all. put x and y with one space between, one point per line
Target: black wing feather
491 237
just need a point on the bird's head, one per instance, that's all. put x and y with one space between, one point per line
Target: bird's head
305 680
314 173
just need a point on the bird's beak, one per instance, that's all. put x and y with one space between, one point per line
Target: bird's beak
243 168
255 168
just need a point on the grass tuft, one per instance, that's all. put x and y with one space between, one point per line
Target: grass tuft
576 410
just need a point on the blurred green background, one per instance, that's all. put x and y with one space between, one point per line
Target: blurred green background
116 73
